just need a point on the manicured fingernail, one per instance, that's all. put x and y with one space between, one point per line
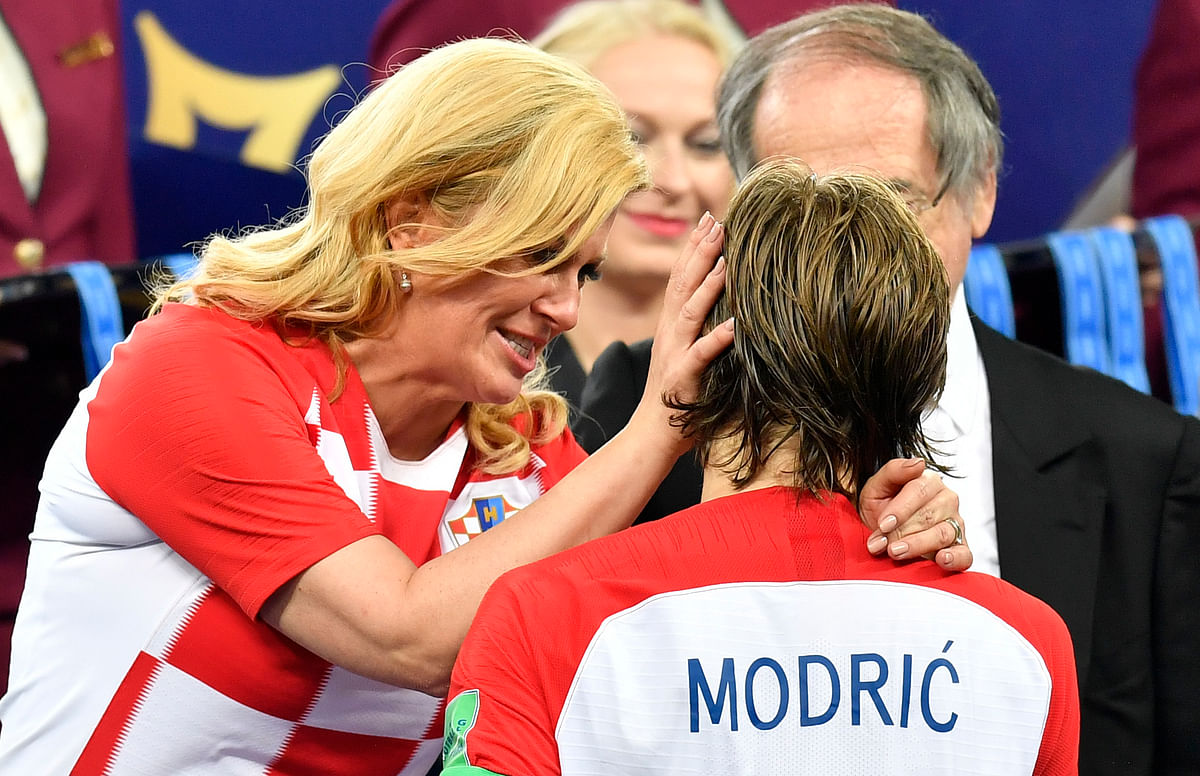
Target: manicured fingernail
876 544
888 524
715 233
705 222
729 324
899 549
719 267
946 557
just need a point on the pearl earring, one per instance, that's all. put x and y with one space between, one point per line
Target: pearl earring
405 283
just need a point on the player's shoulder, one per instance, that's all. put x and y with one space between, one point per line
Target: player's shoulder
1032 617
698 546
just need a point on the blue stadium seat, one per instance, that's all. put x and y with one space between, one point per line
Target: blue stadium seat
99 312
1123 305
988 293
1082 293
1181 304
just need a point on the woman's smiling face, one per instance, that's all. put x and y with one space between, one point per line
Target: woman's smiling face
667 87
479 336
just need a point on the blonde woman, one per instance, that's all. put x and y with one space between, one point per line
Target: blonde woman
266 527
662 60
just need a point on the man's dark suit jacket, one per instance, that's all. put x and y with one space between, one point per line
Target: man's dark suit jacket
1097 493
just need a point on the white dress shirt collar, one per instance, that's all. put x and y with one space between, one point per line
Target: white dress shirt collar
963 373
960 427
22 117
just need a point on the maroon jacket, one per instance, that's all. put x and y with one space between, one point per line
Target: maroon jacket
84 209
1166 114
407 28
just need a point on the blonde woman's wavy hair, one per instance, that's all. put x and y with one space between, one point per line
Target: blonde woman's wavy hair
520 151
585 31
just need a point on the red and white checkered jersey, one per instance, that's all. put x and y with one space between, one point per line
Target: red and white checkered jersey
755 634
202 470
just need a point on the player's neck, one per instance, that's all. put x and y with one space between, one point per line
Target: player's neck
776 472
719 483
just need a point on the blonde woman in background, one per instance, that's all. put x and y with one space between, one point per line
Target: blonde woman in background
662 60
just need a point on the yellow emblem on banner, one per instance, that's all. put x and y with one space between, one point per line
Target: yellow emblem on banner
277 110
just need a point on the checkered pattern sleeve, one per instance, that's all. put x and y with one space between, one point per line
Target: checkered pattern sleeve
198 429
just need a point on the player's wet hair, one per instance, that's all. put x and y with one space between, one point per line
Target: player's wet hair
841 307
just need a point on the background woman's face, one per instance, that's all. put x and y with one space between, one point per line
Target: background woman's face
667 87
